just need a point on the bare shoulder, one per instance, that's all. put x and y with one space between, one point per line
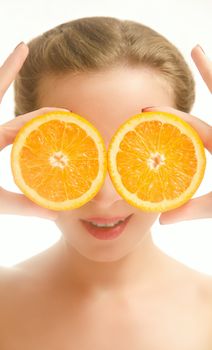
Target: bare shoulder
10 282
6 276
13 281
23 280
205 293
194 286
205 288
9 274
201 280
188 281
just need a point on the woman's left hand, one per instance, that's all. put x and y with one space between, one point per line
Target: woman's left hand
200 207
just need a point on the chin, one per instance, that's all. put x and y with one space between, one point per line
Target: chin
110 253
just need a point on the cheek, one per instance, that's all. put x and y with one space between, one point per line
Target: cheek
67 221
145 220
140 226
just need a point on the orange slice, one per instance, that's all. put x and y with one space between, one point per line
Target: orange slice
58 160
156 161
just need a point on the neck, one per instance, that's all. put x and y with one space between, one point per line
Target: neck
137 268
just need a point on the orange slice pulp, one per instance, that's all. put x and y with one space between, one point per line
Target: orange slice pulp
58 160
156 161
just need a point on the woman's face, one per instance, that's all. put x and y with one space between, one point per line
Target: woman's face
106 99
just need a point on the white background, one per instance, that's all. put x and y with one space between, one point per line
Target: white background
185 23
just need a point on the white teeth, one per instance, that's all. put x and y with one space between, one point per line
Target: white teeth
106 225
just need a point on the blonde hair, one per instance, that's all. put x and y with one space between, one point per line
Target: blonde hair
93 43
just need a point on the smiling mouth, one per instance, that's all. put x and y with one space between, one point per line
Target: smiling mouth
106 231
106 222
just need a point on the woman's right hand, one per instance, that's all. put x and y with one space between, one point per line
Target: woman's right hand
10 202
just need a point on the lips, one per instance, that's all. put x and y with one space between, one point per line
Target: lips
105 220
106 233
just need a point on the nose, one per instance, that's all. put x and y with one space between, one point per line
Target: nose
107 195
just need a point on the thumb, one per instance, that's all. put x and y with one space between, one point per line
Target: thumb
18 204
196 208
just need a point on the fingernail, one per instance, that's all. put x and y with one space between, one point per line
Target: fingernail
201 48
18 45
165 222
145 108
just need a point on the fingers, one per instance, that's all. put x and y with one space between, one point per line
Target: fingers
196 208
204 65
204 130
11 67
9 130
17 204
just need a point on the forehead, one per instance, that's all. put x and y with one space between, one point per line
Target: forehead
106 98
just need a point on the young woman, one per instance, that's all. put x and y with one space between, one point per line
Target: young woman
84 293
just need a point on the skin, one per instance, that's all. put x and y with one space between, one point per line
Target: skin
82 293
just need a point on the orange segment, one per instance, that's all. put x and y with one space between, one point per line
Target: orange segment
156 161
59 160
